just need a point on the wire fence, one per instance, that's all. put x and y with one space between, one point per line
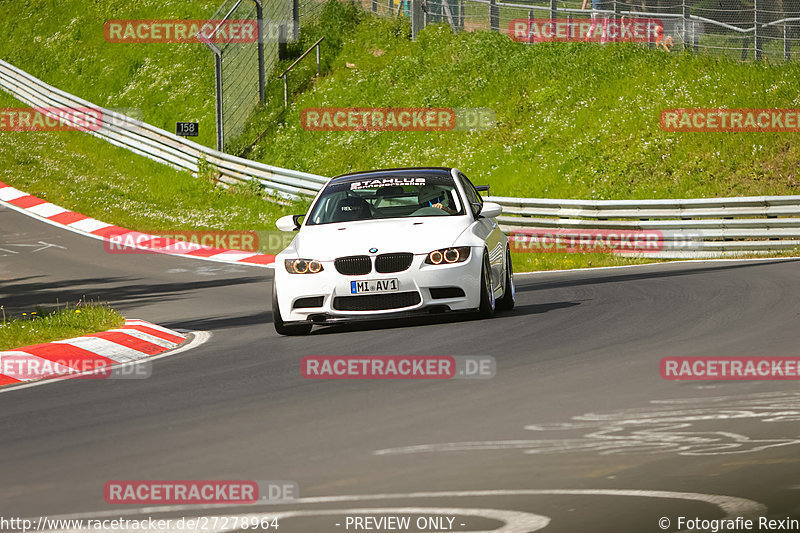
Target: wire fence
243 65
743 29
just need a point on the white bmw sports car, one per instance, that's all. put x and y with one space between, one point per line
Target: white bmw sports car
388 242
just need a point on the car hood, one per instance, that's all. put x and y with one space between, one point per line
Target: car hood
418 235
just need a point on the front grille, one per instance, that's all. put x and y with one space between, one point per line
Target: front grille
354 265
376 302
310 301
387 263
439 293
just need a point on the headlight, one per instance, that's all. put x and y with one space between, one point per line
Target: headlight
447 256
303 266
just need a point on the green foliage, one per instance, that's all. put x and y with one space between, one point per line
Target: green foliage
89 175
62 42
574 120
56 323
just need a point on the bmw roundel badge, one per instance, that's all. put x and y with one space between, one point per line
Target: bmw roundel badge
373 250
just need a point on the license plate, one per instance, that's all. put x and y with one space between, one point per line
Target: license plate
370 286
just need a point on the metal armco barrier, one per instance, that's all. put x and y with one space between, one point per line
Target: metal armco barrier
691 228
697 228
157 144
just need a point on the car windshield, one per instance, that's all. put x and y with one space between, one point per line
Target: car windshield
369 197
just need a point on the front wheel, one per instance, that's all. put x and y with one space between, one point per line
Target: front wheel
486 310
280 326
506 303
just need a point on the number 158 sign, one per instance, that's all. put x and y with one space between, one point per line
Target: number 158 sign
187 129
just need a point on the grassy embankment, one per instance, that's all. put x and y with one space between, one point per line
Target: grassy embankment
573 120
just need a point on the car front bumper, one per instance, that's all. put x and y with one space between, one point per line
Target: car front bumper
421 287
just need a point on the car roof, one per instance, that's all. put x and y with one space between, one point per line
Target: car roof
398 172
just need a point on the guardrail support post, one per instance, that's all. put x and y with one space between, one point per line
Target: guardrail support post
417 18
494 16
787 46
617 18
295 20
554 9
218 83
757 38
686 21
261 81
531 17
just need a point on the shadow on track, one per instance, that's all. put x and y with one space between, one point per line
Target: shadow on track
530 284
438 319
22 294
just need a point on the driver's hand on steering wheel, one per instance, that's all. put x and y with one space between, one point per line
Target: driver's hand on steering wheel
444 208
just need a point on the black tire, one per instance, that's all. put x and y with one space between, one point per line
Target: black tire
506 303
488 304
280 326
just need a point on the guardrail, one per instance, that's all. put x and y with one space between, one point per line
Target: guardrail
285 73
705 227
160 145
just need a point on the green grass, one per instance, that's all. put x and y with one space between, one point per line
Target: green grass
62 43
575 120
63 322
88 175
532 262
336 21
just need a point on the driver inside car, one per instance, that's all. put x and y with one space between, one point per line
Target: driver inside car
435 196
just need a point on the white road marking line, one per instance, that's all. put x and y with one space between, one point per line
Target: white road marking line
514 521
732 506
669 427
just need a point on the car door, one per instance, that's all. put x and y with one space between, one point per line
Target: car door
489 230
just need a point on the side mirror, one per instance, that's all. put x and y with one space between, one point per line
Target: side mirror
289 222
491 210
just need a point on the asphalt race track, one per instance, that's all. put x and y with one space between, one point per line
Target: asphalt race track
577 427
